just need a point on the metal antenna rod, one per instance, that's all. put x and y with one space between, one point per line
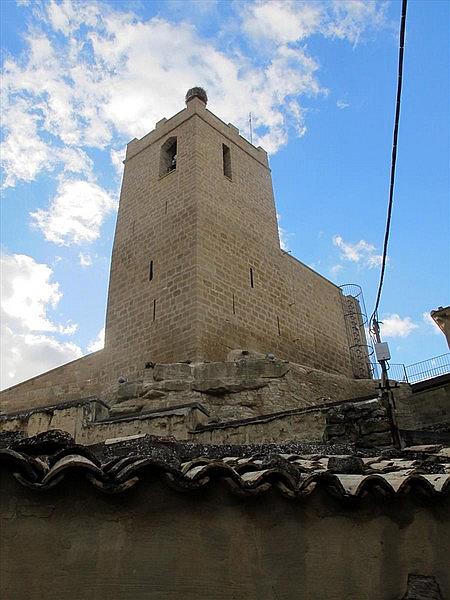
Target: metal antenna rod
251 128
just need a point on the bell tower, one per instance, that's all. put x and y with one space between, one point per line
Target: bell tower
197 269
196 200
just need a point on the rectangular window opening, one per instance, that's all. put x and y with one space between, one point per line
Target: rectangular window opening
226 161
150 271
251 277
278 325
154 310
168 159
234 305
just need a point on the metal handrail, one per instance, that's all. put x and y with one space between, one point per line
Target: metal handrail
427 369
420 371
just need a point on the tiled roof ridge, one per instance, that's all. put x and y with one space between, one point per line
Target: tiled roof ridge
294 476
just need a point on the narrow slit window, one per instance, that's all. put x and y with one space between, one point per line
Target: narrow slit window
154 310
226 161
278 325
234 305
168 160
252 283
150 271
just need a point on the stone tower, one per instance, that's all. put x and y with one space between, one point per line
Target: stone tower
197 269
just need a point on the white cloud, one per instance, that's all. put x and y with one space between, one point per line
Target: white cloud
362 252
117 158
428 320
28 294
98 342
350 19
283 235
282 21
85 259
341 104
76 213
336 269
27 355
395 326
24 153
108 75
290 21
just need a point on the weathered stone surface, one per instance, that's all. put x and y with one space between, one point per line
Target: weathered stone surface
127 407
226 385
335 430
374 426
345 464
252 368
422 587
214 371
47 442
129 389
153 395
177 371
335 416
376 439
239 354
171 385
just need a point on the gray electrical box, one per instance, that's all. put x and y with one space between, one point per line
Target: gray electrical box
382 351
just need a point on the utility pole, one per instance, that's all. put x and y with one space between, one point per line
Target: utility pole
386 396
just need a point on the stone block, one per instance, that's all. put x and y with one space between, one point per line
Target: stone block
127 407
335 430
129 389
334 416
261 368
171 385
153 395
374 426
376 439
214 371
226 385
172 371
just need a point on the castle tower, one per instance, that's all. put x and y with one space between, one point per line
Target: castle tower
197 269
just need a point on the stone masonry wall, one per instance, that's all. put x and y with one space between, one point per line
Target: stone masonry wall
75 380
252 294
365 423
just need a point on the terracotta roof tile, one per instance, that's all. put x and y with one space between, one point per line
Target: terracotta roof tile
293 475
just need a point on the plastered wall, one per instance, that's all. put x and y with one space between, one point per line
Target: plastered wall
153 542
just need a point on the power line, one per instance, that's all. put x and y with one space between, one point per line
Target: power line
393 158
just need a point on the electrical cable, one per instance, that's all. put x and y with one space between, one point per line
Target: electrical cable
393 161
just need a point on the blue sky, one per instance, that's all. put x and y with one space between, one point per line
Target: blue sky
82 79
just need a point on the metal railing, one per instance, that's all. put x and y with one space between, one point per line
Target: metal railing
427 369
420 371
